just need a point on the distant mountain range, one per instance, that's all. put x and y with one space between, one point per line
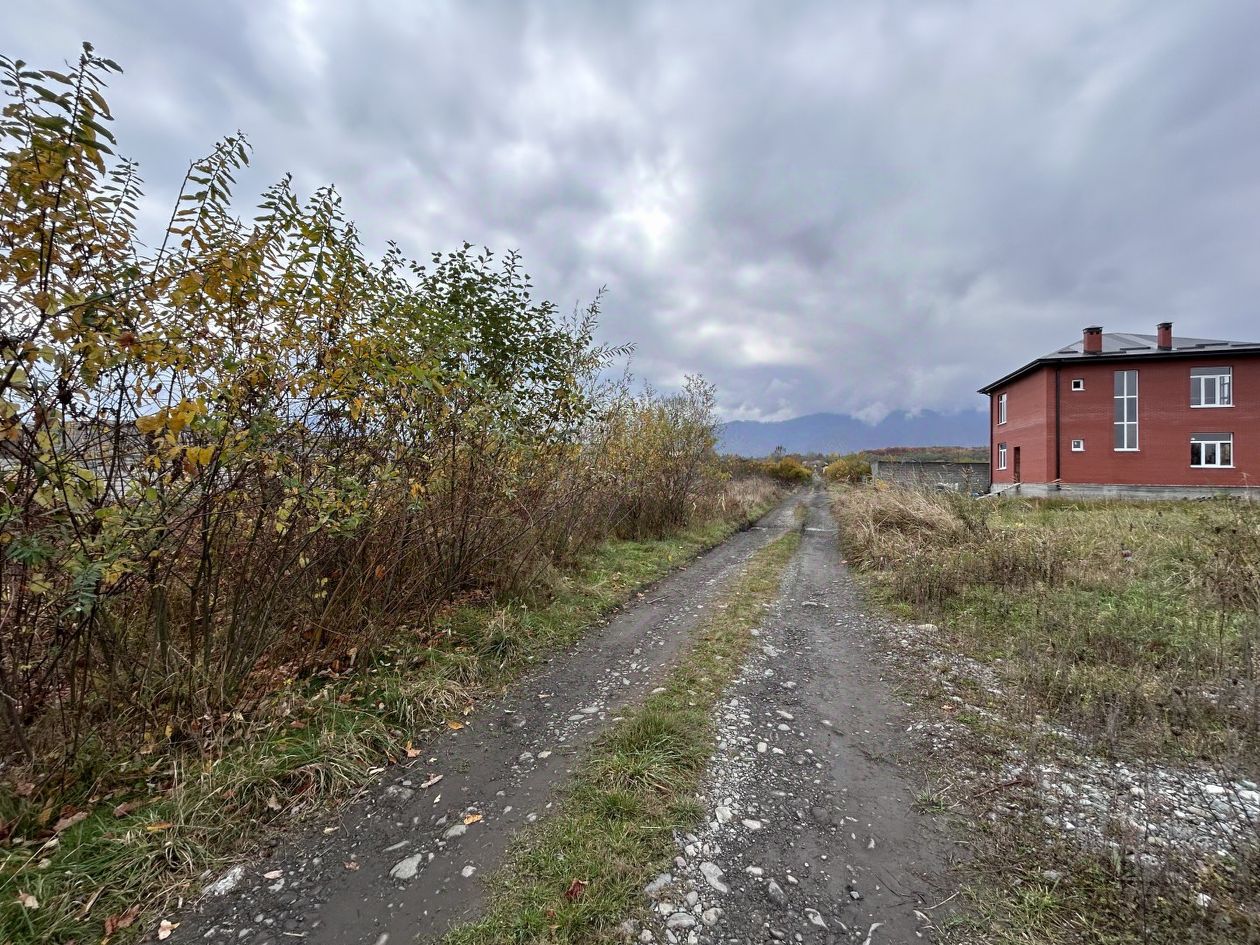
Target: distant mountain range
837 433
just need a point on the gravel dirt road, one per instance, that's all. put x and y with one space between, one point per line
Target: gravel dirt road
406 860
812 834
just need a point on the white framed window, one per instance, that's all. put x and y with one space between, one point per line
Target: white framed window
1078 446
1001 408
1209 450
1078 383
1126 411
1211 387
1001 456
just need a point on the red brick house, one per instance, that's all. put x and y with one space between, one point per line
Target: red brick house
1129 415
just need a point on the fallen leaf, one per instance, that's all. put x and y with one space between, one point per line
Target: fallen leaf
158 825
412 752
25 789
297 723
28 901
122 920
472 819
575 890
454 726
122 810
273 803
351 865
273 874
69 821
432 780
165 928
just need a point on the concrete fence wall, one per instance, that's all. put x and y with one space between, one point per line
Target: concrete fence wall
964 477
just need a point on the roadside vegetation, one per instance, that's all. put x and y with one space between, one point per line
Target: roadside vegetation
1116 642
269 506
576 876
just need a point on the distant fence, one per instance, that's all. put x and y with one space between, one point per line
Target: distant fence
965 477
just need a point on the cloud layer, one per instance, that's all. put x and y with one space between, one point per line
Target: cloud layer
842 207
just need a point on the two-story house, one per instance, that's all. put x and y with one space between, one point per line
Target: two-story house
1129 415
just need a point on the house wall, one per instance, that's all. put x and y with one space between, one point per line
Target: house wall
1166 422
1029 426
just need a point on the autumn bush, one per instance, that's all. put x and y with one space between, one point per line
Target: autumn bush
227 457
851 468
788 470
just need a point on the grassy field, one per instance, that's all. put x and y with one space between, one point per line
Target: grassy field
121 834
614 829
1090 638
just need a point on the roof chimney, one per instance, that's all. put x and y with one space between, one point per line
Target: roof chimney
1163 333
1093 340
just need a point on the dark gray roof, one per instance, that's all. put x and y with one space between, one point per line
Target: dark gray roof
1121 346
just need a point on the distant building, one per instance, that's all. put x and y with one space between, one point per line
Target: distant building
1129 415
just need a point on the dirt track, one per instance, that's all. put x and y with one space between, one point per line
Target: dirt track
811 804
811 815
415 866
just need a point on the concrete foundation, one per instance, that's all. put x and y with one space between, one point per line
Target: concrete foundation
1086 490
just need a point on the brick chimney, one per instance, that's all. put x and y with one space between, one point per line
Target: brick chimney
1163 336
1093 340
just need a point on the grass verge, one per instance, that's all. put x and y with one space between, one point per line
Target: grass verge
99 854
574 877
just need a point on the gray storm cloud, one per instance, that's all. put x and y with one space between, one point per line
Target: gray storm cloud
854 208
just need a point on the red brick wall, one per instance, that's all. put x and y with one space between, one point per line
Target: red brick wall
1029 426
1165 423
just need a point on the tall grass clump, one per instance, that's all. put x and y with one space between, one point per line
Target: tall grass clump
1135 621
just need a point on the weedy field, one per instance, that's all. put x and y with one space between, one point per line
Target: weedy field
1092 700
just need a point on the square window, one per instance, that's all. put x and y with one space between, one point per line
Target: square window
1212 449
1211 387
1078 446
1078 383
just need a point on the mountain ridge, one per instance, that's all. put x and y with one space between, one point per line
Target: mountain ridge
841 433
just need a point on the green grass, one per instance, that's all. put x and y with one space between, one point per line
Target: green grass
614 829
190 809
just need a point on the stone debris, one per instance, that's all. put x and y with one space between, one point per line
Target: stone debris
226 883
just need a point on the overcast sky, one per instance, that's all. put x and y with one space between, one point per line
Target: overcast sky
853 207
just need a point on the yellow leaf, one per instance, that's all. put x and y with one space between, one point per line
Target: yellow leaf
158 825
472 819
454 726
165 928
150 424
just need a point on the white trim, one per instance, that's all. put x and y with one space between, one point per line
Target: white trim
1078 383
1078 446
1001 408
1001 456
1222 379
1216 441
1125 396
